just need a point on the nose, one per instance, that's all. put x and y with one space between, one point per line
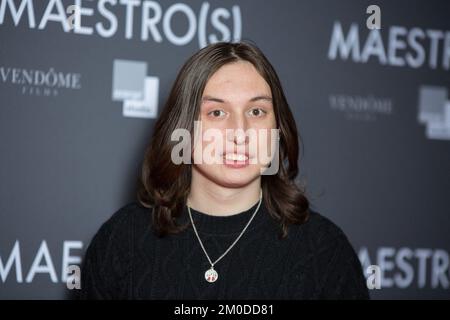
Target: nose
236 131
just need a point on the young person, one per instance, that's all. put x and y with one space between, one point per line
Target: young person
223 229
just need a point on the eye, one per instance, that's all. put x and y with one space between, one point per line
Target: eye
216 113
257 112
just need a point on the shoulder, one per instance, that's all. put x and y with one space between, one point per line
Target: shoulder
114 240
128 215
107 263
121 225
324 239
322 229
340 274
321 262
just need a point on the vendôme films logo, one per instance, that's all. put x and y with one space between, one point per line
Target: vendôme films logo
42 83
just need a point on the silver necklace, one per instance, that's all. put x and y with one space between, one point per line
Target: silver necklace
211 274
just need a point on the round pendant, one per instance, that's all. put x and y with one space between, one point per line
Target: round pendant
211 275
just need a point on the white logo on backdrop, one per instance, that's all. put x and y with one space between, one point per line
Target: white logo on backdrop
360 107
43 262
43 83
137 91
132 19
434 112
409 267
395 46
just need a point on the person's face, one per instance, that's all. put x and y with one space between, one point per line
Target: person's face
235 97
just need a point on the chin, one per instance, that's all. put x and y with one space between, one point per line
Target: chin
236 178
229 177
230 183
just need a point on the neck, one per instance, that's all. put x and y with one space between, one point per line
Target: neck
213 199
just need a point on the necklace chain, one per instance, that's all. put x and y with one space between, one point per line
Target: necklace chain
235 241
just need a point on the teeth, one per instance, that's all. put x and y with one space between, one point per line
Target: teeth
236 157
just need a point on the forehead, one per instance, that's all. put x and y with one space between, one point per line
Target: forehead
237 80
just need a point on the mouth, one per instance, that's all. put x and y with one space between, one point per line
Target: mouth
236 156
236 160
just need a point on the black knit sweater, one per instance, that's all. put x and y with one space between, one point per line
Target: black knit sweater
126 260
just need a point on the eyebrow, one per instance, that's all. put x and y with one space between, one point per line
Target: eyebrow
257 98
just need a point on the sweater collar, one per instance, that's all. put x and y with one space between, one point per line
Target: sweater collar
226 225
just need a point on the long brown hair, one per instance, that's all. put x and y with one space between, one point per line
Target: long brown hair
164 186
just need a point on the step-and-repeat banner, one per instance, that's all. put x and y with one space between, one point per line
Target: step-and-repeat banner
369 87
